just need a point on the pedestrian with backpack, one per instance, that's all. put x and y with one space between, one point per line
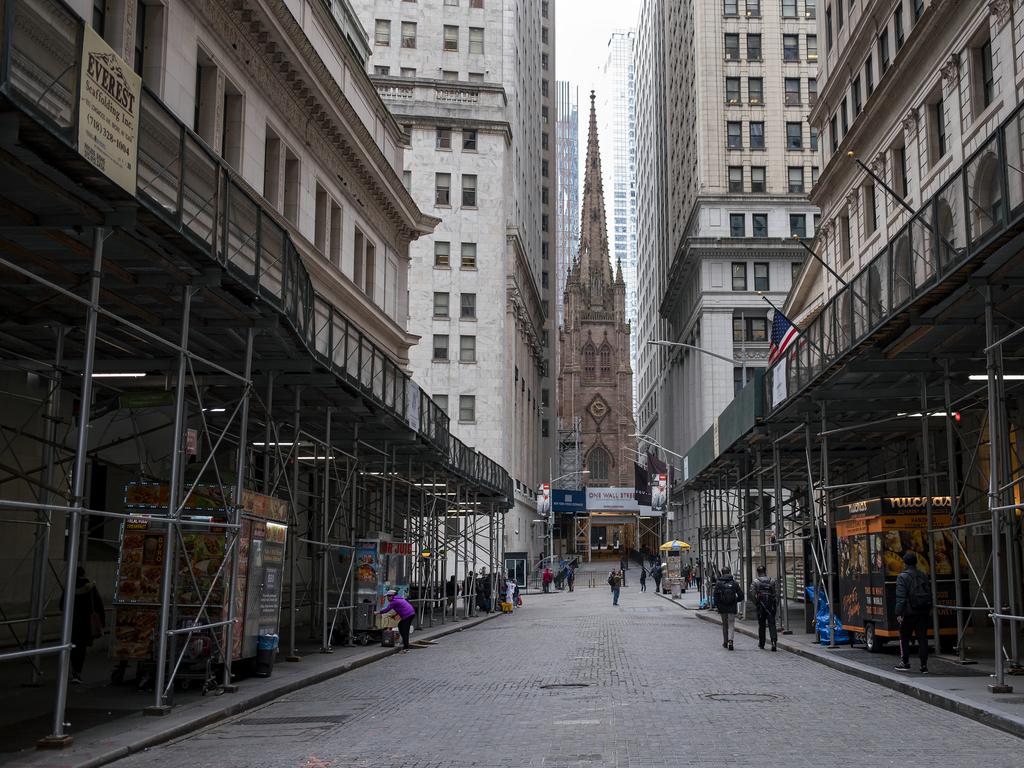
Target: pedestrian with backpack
766 599
728 594
643 578
656 575
615 582
913 612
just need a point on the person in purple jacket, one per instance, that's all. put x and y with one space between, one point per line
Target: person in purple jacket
405 612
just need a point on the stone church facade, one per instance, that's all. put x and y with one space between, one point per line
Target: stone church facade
595 382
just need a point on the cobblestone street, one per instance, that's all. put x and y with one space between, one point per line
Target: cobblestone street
568 680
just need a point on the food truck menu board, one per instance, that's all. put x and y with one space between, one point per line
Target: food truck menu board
140 565
264 579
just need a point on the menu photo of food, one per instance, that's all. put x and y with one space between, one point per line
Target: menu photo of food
135 629
140 565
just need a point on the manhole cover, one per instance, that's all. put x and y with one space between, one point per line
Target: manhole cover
547 686
753 698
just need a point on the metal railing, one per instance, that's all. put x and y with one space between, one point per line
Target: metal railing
183 182
981 200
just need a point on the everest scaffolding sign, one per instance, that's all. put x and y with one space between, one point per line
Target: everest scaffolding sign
108 112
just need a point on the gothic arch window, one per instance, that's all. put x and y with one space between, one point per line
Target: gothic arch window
599 463
606 361
588 361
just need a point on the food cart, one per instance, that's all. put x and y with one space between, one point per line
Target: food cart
672 579
872 536
380 565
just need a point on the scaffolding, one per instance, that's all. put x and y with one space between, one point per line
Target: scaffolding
174 341
900 386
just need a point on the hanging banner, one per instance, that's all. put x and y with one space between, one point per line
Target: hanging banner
568 501
779 382
612 500
109 95
544 500
659 492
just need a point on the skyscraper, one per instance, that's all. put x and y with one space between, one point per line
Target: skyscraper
469 82
618 127
567 149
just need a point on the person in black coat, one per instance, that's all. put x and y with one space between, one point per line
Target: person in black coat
728 594
87 604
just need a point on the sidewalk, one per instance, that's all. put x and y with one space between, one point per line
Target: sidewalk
962 689
107 722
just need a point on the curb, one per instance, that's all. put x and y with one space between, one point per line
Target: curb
254 701
947 701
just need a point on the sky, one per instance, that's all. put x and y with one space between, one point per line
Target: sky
582 29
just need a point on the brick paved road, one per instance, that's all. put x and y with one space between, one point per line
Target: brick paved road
657 694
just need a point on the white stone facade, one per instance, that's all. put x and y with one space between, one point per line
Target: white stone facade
467 78
723 189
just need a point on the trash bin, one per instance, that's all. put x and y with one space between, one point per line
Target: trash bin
266 650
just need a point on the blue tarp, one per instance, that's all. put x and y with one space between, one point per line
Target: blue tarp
821 621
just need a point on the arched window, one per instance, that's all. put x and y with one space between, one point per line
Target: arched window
902 270
598 462
987 196
949 250
588 361
606 361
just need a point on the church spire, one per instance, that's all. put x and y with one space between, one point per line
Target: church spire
595 266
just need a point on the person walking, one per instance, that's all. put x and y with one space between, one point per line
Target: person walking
510 589
615 582
913 612
451 591
483 594
405 612
728 594
643 578
766 600
87 621
656 575
570 578
547 578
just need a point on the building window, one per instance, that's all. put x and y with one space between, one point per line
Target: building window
381 70
759 222
855 95
813 143
984 76
469 255
812 91
449 75
814 175
732 46
812 47
734 136
794 136
789 8
739 276
754 9
291 186
476 40
408 34
833 132
795 268
327 226
756 135
735 178
870 209
589 364
451 38
272 169
382 32
839 16
598 463
828 27
756 327
605 359
738 333
443 138
754 47
467 349
408 71
737 225
480 4
900 181
792 88
440 346
883 52
442 253
442 189
442 402
467 310
757 178
364 263
937 128
918 9
467 408
869 76
897 26
761 282
732 90
440 304
796 179
469 140
476 77
798 225
755 90
844 117
468 190
844 237
791 48
730 8
149 43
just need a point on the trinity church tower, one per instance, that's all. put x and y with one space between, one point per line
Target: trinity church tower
595 383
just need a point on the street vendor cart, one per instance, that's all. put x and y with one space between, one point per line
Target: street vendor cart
673 579
872 537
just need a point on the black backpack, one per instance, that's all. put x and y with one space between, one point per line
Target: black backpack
725 595
919 592
763 594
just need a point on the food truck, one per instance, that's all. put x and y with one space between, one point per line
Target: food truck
672 579
380 565
871 538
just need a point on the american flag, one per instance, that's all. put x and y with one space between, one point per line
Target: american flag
783 332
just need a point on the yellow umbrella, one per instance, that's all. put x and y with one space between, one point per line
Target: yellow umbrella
674 544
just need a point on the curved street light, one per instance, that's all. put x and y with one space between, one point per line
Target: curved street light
664 343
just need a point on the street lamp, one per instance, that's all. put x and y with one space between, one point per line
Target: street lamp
551 511
663 343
